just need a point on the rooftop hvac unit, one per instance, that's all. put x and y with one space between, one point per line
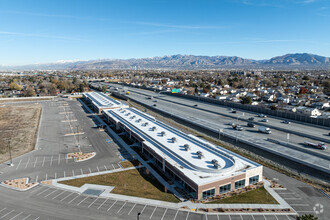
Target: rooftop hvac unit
173 139
128 114
214 161
145 124
133 117
154 128
200 154
123 111
163 133
186 147
139 120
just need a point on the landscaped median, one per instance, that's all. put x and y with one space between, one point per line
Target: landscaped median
21 184
80 156
134 182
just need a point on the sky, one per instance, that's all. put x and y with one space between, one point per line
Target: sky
41 31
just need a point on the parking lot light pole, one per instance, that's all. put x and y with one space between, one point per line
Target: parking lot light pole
138 216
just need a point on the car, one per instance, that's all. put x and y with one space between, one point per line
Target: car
195 105
286 122
239 128
262 116
264 120
251 119
250 124
233 111
231 124
154 105
155 101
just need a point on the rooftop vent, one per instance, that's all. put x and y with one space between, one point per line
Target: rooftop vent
173 139
145 124
163 133
200 154
186 147
139 120
214 161
133 117
154 128
216 165
123 111
128 114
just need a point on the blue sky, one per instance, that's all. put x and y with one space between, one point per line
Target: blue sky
44 31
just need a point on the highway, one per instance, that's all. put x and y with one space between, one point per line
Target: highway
218 117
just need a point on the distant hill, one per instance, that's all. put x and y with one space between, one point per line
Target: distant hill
288 61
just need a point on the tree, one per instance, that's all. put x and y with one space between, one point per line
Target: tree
273 107
307 217
29 92
14 86
104 88
246 100
303 90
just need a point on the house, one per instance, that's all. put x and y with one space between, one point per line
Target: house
309 111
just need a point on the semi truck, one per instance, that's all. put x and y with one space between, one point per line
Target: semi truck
264 129
320 145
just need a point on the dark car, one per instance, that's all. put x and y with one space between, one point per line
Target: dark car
251 119
286 122
195 105
233 111
251 125
154 105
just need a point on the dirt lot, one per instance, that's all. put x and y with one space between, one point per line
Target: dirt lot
19 125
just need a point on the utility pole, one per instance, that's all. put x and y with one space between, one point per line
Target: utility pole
11 160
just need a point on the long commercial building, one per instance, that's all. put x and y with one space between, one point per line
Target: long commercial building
200 168
101 101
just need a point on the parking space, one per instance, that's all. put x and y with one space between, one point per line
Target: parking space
12 214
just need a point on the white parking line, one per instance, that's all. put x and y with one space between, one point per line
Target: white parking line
253 217
264 217
82 200
26 217
276 217
37 218
113 166
93 202
131 209
177 211
105 167
50 193
2 209
43 162
111 206
229 217
58 195
143 209
72 172
241 217
74 199
187 215
81 172
43 191
55 175
36 189
299 204
122 207
89 170
98 170
164 214
18 164
102 203
218 217
59 159
37 179
27 163
16 215
66 196
292 198
46 176
205 216
7 214
51 160
153 212
64 173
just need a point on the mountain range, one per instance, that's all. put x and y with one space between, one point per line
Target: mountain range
288 61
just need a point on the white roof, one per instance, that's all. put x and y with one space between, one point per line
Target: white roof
200 170
101 100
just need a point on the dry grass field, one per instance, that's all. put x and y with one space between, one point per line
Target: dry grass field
19 126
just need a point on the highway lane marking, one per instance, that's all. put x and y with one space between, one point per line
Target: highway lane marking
18 164
58 195
27 163
177 211
26 217
131 209
187 215
111 205
82 200
164 214
74 199
66 197
43 162
102 203
7 214
50 193
51 160
93 202
43 191
35 162
153 212
122 207
16 215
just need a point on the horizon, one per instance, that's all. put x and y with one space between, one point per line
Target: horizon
39 32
